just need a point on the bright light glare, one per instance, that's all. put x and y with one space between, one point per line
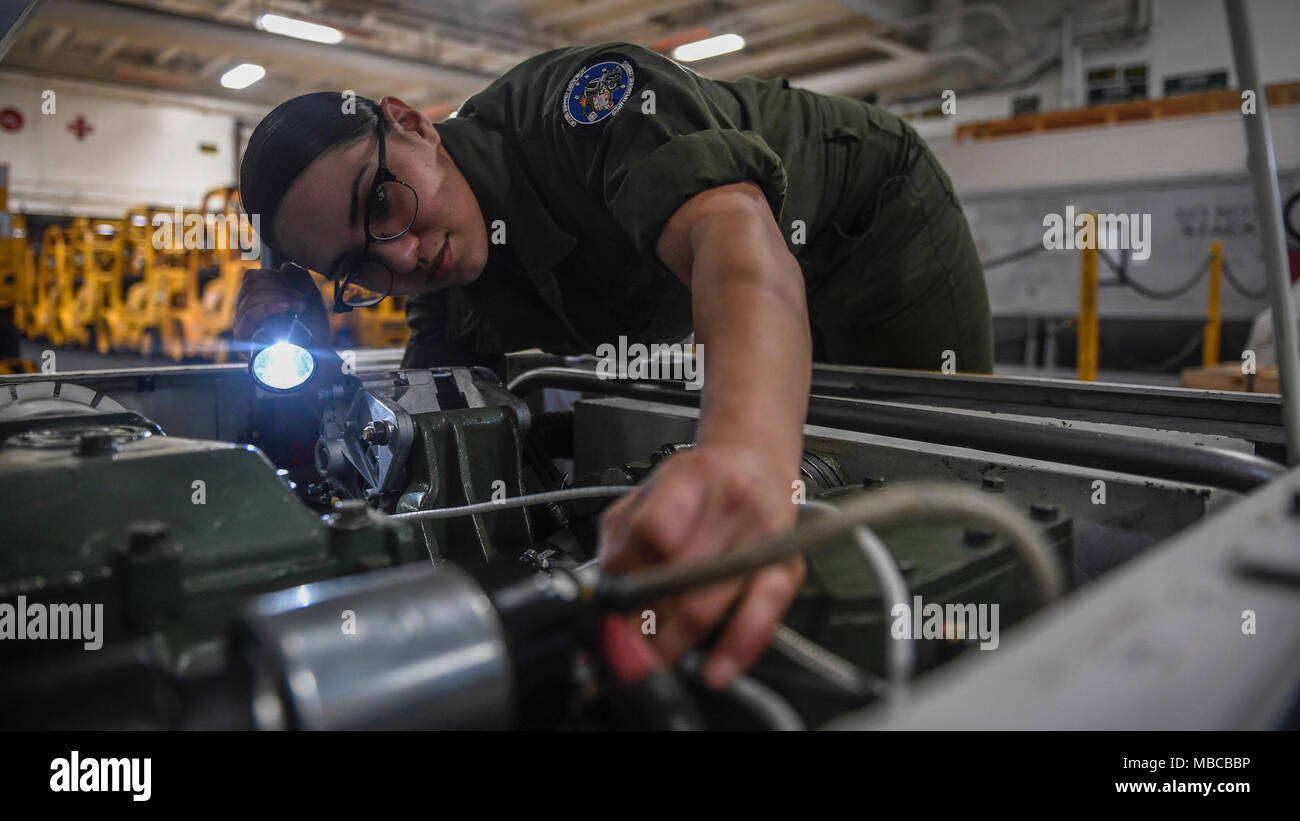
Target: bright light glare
301 29
283 366
709 47
243 75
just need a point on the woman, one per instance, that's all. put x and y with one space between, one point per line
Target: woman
598 192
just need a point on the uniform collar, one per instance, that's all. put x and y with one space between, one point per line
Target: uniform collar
494 174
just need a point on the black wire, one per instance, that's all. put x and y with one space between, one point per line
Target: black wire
1125 278
1242 289
1121 268
1013 256
1153 293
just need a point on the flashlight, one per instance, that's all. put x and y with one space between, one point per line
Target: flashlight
282 360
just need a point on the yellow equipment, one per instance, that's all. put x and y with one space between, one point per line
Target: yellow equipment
22 257
151 318
13 248
383 325
127 318
55 284
209 312
163 282
99 253
1213 299
1087 322
378 326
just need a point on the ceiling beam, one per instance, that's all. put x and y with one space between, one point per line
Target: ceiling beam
216 64
232 10
826 47
166 55
109 49
283 54
54 40
717 23
612 11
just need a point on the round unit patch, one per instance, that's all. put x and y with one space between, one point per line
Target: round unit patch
597 92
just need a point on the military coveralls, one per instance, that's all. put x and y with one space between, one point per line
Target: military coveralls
578 157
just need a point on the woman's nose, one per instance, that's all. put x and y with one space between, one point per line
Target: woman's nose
400 255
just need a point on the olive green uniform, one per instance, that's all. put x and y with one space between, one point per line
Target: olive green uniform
574 206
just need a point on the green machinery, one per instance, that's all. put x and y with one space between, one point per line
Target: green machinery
179 539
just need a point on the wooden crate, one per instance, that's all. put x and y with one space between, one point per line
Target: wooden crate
1267 381
1227 376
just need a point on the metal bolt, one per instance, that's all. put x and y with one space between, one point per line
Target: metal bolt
377 432
538 559
148 537
976 537
1043 511
96 443
351 514
996 484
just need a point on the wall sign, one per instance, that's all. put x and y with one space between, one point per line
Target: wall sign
80 127
11 119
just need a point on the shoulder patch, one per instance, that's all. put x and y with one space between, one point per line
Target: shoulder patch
598 91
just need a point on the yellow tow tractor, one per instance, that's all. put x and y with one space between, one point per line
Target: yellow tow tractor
126 319
21 260
55 283
99 251
151 318
209 313
383 325
13 258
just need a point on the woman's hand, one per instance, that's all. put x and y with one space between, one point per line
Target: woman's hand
699 504
265 293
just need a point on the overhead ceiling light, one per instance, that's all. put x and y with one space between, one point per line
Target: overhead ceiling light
243 75
301 29
709 47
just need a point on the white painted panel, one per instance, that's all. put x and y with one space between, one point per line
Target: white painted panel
144 148
1180 147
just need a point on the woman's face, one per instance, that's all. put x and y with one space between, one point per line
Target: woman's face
321 221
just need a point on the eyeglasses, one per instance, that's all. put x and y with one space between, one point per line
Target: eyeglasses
390 212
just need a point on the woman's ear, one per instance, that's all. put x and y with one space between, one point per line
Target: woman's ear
402 117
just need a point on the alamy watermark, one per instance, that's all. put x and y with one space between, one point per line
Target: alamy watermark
207 232
66 622
1107 232
77 774
654 361
946 621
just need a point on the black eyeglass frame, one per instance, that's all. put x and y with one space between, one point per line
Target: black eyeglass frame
382 176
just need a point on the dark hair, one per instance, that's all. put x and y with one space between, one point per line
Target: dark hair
289 139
